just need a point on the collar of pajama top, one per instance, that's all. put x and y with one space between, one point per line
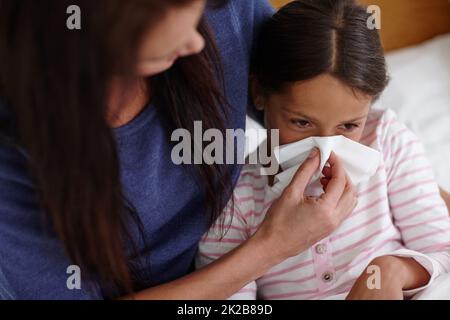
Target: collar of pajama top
399 212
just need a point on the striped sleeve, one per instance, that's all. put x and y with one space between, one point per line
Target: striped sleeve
418 210
228 232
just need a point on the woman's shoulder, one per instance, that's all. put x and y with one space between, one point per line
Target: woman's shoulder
248 10
237 22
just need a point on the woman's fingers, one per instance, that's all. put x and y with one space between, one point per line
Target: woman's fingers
348 201
304 173
337 181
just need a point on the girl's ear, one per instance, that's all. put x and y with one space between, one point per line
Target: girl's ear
257 94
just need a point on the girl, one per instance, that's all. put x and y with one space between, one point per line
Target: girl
317 70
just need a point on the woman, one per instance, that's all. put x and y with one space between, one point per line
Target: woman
85 171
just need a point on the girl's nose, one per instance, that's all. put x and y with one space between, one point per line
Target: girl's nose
195 45
327 133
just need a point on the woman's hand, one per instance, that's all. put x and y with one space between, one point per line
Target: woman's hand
396 274
296 222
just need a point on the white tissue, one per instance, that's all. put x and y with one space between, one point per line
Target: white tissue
360 162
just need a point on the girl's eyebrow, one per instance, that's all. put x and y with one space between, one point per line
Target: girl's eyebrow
298 113
356 119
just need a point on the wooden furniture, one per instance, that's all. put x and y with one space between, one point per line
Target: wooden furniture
407 22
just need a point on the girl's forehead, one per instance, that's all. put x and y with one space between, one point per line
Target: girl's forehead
323 94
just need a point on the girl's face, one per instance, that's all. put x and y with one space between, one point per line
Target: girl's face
173 37
322 106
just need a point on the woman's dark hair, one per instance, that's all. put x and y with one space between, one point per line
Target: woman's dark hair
55 81
307 38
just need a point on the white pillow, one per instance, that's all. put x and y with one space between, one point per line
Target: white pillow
419 92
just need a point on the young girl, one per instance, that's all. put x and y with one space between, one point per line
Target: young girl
317 70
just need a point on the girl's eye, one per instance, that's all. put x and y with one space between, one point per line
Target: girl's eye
350 126
301 123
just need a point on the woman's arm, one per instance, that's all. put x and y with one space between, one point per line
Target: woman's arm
446 196
292 225
222 278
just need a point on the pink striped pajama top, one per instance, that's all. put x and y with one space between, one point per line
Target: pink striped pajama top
399 212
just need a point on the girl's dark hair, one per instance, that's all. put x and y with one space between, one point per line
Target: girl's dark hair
55 84
307 38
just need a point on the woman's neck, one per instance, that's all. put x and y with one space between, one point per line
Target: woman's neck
127 99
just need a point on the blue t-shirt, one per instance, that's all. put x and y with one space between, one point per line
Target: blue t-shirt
167 198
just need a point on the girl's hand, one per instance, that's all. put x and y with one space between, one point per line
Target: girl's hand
295 222
396 274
